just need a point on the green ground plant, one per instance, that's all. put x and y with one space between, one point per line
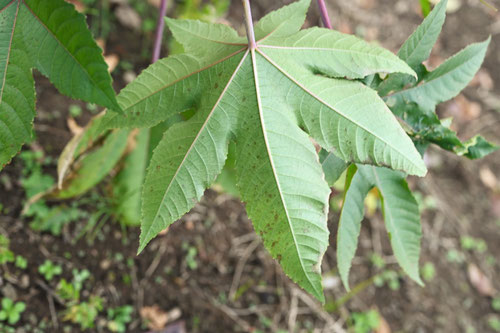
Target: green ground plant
119 318
365 322
6 255
21 262
49 270
248 106
11 311
84 313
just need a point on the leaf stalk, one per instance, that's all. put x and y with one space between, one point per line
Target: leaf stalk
160 26
324 14
252 45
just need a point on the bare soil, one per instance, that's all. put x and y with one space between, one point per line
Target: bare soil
236 286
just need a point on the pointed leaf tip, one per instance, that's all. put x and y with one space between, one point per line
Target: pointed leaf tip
284 21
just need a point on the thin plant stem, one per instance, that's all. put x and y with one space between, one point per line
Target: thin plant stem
324 14
249 25
489 5
160 26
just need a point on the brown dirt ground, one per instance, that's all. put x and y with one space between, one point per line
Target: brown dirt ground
230 256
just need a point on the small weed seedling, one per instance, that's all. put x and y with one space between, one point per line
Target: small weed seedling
6 255
428 271
11 312
21 262
84 313
494 323
495 304
365 322
473 244
70 291
119 317
49 270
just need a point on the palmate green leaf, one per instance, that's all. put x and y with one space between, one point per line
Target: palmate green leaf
268 102
52 37
401 215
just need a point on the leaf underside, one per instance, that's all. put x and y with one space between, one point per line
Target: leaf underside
414 101
266 104
269 101
53 38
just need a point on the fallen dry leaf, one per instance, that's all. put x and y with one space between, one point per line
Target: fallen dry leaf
112 61
367 4
156 318
488 178
80 7
155 3
74 128
102 44
383 326
480 281
128 17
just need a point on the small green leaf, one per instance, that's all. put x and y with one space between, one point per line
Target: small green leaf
446 81
418 47
426 7
7 303
427 128
19 307
476 148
